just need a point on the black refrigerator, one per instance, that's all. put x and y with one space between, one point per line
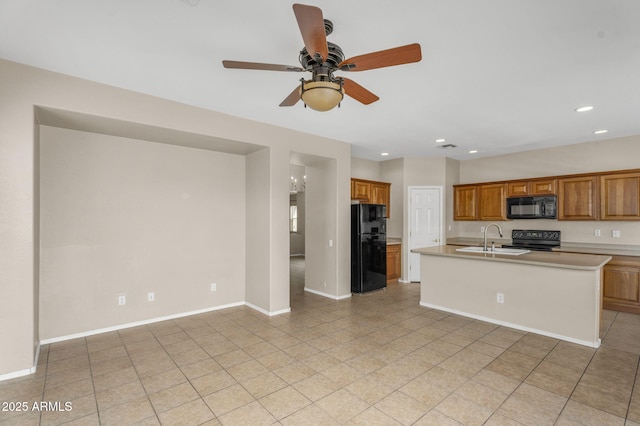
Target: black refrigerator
368 247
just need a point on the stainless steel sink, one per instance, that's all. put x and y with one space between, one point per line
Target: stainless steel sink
497 250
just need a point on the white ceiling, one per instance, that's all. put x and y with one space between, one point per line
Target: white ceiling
497 76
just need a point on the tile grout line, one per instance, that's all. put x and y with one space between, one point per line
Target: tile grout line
633 390
93 385
124 345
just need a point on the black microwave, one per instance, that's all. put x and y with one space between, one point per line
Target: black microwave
532 207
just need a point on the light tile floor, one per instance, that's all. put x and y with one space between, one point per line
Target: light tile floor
374 359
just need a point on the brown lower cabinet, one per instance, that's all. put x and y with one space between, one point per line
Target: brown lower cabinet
394 262
621 286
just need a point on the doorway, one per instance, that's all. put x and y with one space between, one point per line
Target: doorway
425 223
297 219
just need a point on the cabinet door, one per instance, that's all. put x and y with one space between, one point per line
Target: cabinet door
543 187
361 190
620 196
394 262
577 198
518 188
380 194
465 200
492 202
621 289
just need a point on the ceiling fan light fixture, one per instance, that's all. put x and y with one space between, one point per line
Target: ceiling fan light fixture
321 95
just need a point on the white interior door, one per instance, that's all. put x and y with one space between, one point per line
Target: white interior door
425 223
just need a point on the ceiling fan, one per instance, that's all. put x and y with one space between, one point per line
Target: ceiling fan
323 91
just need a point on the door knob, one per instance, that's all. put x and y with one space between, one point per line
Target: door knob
436 240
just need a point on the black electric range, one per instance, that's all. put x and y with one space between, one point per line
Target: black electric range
534 239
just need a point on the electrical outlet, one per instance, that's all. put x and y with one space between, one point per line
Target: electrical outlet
500 297
122 300
482 229
324 284
596 233
330 243
214 287
615 233
151 296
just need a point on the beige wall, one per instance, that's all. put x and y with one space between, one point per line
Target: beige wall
452 178
22 88
126 217
365 169
392 171
612 154
258 256
322 231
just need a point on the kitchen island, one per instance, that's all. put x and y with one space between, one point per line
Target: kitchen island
550 293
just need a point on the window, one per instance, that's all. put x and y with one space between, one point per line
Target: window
293 218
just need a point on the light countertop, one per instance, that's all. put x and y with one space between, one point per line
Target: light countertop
394 241
566 247
538 258
607 249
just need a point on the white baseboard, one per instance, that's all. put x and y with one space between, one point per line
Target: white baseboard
264 311
595 344
16 374
32 370
137 323
26 371
327 295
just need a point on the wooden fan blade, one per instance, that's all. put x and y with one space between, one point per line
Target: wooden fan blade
311 25
383 58
358 92
260 66
292 99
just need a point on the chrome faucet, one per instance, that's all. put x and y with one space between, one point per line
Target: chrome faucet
485 234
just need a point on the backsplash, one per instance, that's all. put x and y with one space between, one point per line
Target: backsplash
572 231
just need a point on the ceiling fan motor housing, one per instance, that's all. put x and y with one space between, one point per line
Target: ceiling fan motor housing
335 57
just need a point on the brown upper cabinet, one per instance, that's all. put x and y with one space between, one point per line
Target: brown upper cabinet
492 201
480 202
465 202
620 196
369 191
360 190
613 195
523 188
577 198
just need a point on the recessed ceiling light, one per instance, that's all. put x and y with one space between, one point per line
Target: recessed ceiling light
599 132
440 140
384 154
473 151
584 108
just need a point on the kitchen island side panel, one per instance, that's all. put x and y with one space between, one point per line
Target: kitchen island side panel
556 302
